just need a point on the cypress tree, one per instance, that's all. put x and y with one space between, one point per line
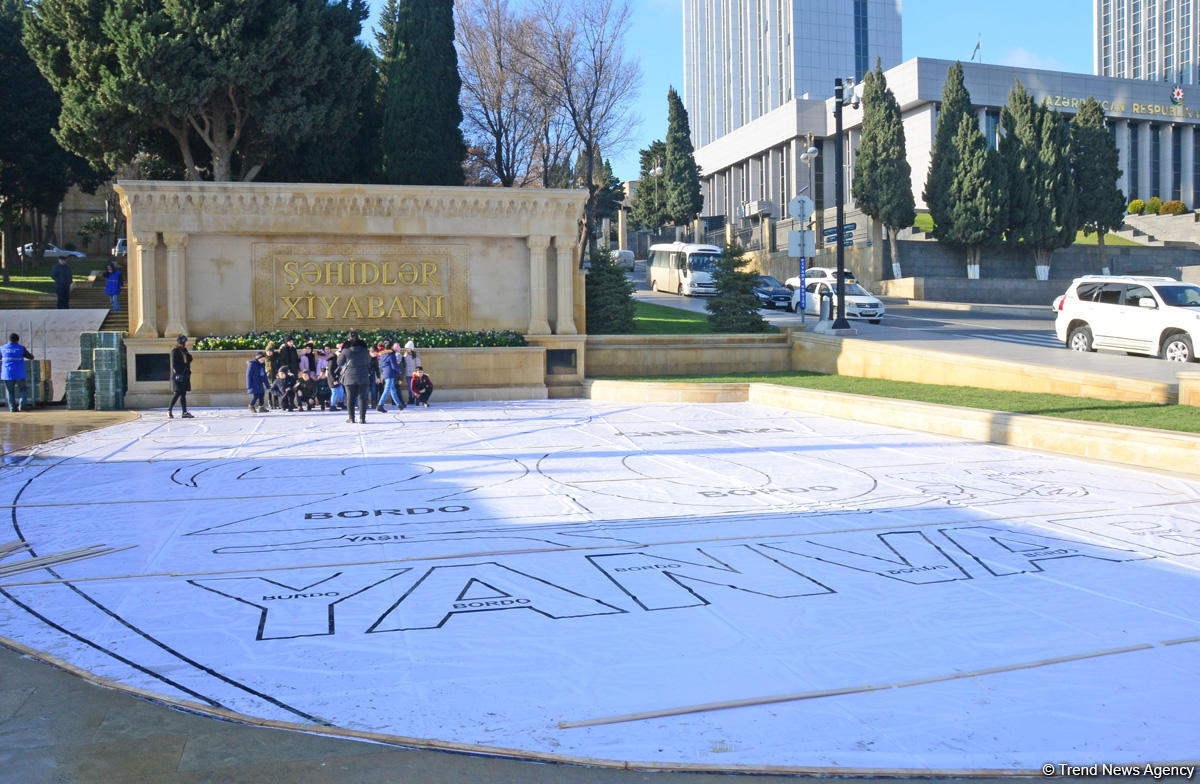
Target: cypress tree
421 142
1055 218
1017 147
649 205
684 200
734 308
608 296
956 104
882 183
978 208
1095 160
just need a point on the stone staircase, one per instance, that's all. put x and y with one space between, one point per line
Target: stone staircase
1162 231
94 297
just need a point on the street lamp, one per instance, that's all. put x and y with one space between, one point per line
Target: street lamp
843 93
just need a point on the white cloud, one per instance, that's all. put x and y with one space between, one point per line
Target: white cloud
1023 58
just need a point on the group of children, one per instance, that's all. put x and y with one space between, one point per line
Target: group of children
291 378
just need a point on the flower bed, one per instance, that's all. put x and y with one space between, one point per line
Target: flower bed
422 338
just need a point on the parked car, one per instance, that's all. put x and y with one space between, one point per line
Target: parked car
813 274
1135 314
624 259
50 252
771 293
121 248
860 303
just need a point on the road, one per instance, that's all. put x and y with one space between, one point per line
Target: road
1015 334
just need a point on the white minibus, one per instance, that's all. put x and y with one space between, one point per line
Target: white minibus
682 268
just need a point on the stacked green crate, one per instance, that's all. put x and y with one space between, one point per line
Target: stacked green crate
81 389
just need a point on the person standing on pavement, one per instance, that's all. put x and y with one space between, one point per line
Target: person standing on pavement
181 376
411 361
355 362
12 371
257 382
62 283
112 286
389 368
289 355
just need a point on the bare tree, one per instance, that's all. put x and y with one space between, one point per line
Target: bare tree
578 51
499 104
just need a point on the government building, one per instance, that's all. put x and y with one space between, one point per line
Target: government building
748 145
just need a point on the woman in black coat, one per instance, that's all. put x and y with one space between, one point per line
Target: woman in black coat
355 362
181 376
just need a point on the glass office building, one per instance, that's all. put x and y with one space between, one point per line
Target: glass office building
1146 39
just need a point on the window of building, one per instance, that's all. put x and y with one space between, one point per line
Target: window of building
1155 161
784 191
861 43
1134 168
991 127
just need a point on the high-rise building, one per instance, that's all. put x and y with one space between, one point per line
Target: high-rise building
744 58
1146 39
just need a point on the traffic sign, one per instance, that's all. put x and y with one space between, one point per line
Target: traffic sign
800 207
801 244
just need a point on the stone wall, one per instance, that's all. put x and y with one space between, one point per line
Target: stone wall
678 355
226 258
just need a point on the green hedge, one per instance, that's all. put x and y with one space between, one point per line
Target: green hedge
1137 207
422 338
1153 205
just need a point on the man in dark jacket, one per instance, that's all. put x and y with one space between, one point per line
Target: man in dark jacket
289 355
62 283
257 382
355 362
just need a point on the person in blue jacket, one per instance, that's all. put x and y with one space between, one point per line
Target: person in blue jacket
256 382
12 371
112 285
389 368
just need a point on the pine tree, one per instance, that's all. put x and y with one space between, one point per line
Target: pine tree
608 296
734 308
683 199
882 183
977 208
420 139
649 204
1095 160
956 104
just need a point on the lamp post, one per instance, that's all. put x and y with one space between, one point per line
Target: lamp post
843 93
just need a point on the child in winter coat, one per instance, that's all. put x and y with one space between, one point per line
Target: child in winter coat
421 387
306 392
324 393
256 382
283 390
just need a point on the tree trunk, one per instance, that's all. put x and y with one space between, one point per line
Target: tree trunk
6 241
1100 244
185 151
894 246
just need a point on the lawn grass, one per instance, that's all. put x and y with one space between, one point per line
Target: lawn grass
1185 419
924 222
650 319
35 279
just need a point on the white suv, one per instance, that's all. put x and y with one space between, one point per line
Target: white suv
1138 315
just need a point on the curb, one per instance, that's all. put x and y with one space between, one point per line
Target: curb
1021 311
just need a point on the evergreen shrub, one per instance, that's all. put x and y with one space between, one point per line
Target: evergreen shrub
1173 207
734 308
1154 205
1137 207
608 296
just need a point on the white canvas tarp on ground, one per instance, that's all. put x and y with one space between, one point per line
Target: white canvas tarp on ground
488 573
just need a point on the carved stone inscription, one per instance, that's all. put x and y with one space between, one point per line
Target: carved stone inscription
345 285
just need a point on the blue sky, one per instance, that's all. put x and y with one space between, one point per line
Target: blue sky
1054 34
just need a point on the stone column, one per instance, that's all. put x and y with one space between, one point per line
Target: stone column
564 323
1188 165
538 305
176 242
142 251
